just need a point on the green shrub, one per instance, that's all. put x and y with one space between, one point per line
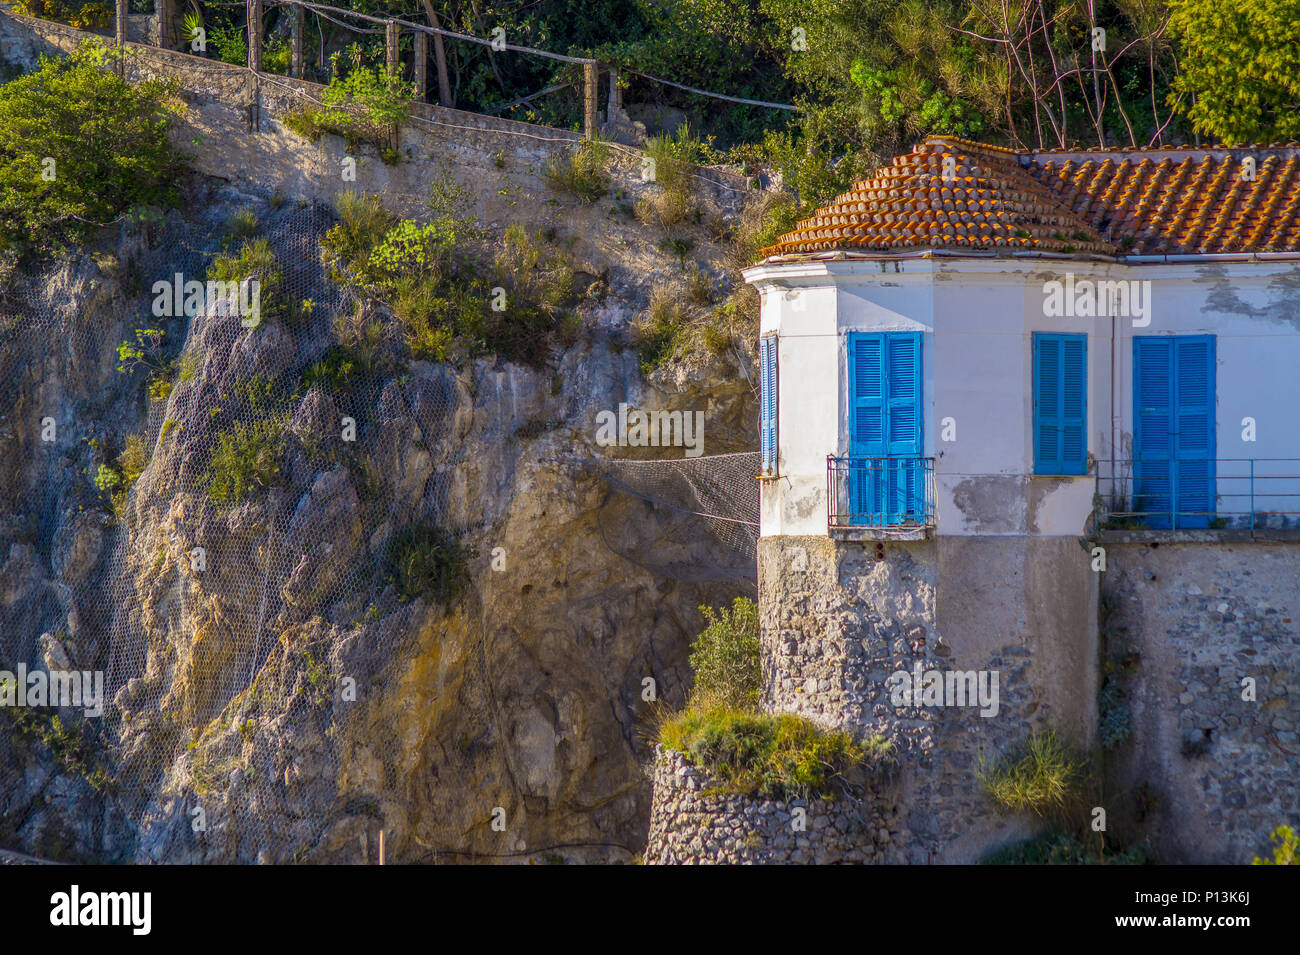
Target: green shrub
1286 848
725 658
332 372
581 173
116 479
303 122
1062 848
1044 776
658 335
370 104
777 756
429 562
108 139
245 459
255 259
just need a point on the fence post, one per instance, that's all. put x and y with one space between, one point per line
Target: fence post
392 58
299 28
254 10
123 25
254 35
421 66
591 74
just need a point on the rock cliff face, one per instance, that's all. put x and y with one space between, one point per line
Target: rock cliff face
273 697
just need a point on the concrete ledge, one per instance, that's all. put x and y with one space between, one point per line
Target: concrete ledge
1226 535
858 534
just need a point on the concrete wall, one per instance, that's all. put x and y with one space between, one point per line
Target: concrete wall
1206 775
977 317
837 622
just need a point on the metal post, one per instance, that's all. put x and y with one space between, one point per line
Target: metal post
1252 496
615 97
421 66
299 29
591 74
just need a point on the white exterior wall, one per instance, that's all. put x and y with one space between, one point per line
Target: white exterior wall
977 317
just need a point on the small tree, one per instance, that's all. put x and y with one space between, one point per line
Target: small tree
725 658
384 100
78 147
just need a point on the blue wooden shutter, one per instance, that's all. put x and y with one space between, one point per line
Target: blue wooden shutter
1060 404
885 426
903 409
767 402
1153 430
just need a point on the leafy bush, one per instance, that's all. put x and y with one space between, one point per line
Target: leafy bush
370 104
244 460
725 658
1286 848
255 259
108 139
429 562
659 333
116 479
778 756
581 173
1044 776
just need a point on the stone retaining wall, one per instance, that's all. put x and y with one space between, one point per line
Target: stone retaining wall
689 827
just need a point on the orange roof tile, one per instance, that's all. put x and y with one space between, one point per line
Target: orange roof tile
950 193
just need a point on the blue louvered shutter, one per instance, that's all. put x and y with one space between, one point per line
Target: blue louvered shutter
1194 430
886 480
767 402
1153 430
1060 404
867 425
903 414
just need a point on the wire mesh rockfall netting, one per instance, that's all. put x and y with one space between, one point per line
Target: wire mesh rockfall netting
225 609
718 490
202 576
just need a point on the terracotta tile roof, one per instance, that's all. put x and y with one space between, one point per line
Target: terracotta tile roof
1111 203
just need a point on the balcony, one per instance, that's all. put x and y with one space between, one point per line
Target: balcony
1225 497
885 498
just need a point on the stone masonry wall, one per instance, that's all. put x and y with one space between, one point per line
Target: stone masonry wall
222 101
838 619
1206 775
689 827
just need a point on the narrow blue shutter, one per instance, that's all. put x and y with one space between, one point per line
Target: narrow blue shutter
867 425
903 409
1060 378
767 402
1074 404
1193 423
1153 427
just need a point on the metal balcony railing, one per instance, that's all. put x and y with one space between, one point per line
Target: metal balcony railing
1205 493
886 492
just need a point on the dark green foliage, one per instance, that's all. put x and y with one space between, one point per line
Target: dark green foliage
247 458
725 658
108 140
429 562
1062 848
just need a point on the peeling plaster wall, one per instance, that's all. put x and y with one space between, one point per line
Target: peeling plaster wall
977 317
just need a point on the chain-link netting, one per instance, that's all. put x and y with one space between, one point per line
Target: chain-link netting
225 608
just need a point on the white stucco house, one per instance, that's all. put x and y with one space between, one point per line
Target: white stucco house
980 342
